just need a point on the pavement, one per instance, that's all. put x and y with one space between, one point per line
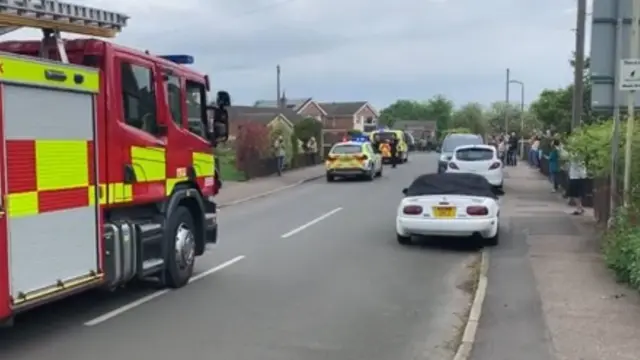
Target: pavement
313 272
549 294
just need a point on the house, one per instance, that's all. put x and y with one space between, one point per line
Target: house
305 107
420 129
269 116
348 115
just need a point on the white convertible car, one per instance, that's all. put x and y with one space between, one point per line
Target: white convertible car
449 204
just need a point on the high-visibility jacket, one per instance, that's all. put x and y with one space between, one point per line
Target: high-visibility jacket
385 149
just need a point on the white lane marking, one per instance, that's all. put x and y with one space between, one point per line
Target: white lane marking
132 305
314 221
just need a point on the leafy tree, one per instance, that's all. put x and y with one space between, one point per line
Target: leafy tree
308 128
404 110
497 113
252 142
440 109
470 116
553 109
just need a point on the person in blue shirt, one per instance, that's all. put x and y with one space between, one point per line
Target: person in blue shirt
554 163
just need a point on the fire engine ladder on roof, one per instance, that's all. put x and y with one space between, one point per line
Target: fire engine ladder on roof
54 17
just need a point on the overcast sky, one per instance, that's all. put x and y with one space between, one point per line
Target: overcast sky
341 50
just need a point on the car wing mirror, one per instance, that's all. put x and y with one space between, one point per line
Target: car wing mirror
405 191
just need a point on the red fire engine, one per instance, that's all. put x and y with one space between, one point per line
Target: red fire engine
107 173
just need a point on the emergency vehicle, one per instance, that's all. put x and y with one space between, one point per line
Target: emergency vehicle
382 135
107 173
354 158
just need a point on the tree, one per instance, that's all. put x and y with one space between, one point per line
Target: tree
308 128
404 110
553 109
470 116
252 143
440 109
496 115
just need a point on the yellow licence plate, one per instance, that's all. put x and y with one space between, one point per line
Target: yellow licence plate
444 212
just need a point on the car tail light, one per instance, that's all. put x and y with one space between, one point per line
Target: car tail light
495 165
412 210
453 166
477 210
362 157
332 157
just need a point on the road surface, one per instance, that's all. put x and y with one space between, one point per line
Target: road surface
310 273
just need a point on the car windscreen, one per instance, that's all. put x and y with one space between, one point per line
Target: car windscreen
474 154
346 149
450 143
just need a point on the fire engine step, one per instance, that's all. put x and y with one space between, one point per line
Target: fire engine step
151 245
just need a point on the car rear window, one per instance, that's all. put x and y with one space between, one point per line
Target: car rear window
452 142
384 136
346 149
474 154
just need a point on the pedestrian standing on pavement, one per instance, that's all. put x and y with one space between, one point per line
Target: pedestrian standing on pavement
312 150
280 153
512 153
502 150
554 163
577 182
394 151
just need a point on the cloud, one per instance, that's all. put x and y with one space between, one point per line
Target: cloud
360 50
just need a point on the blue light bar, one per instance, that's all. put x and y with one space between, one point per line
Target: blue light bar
179 59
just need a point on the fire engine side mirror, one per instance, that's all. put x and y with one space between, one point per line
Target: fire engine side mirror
220 126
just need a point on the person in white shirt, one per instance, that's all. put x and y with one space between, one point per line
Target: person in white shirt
577 183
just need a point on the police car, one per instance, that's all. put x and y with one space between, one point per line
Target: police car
354 158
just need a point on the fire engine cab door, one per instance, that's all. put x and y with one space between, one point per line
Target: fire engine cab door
48 121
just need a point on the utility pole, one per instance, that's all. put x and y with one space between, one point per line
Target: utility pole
578 73
506 102
634 47
278 96
615 137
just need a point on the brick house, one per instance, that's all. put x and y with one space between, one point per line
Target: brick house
305 107
349 115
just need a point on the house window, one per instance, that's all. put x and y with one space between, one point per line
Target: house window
318 117
369 120
138 97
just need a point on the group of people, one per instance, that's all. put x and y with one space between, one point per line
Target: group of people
310 148
507 145
576 170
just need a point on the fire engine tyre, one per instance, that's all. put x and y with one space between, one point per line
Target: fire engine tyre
182 248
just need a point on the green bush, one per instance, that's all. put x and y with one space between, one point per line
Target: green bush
622 249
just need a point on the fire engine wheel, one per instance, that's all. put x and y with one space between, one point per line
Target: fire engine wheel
182 248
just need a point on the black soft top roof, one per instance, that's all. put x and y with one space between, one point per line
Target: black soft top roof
451 184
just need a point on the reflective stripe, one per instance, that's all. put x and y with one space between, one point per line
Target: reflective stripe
22 204
203 164
171 183
61 164
149 163
119 193
30 71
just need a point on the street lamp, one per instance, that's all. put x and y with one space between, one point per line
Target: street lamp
521 112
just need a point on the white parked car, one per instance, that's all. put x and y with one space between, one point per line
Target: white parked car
449 204
478 159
